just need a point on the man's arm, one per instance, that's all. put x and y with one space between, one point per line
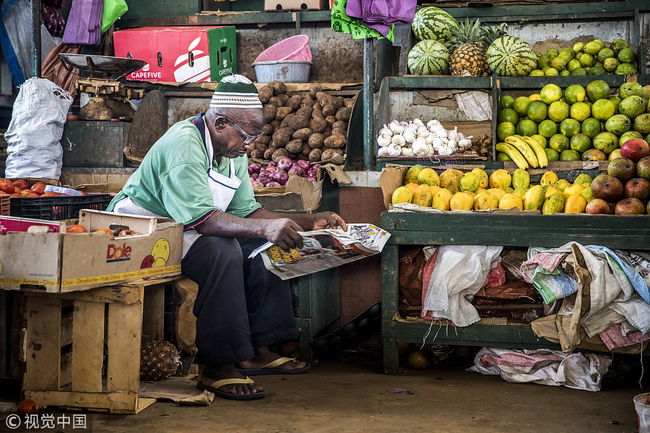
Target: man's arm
317 221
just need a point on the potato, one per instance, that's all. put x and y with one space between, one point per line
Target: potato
268 129
317 107
264 139
275 101
315 155
316 140
338 102
278 154
278 87
307 101
335 141
317 125
268 153
320 96
265 93
302 134
275 123
331 154
315 89
294 102
348 102
340 131
340 124
294 146
282 112
282 136
284 98
304 111
261 146
328 131
328 110
330 119
269 112
286 121
344 114
256 153
306 150
299 122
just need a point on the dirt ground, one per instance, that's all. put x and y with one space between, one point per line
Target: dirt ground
352 396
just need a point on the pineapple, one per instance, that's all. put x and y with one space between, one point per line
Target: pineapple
467 47
158 360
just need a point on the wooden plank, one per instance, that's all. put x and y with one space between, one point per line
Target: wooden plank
125 294
114 402
153 317
88 346
17 338
4 349
43 343
124 335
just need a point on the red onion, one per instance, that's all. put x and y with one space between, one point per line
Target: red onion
273 185
272 164
264 178
297 170
315 167
280 177
257 184
254 175
254 168
312 178
285 163
270 169
311 172
304 164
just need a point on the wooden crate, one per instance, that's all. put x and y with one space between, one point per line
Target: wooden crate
83 348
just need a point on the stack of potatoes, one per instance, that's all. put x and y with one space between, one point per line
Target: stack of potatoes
310 126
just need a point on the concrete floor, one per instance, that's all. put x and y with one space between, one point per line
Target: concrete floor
352 396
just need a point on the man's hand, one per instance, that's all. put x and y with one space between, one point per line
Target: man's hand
283 233
328 220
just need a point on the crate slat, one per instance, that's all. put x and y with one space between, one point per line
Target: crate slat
43 344
153 322
124 335
87 356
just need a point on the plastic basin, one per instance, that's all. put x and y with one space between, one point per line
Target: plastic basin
293 48
287 71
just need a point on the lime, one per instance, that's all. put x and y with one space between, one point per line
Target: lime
597 70
565 73
591 127
605 142
507 101
626 69
503 157
618 124
575 93
559 143
610 64
573 65
551 72
540 138
603 109
598 89
569 155
592 47
580 111
552 53
536 111
577 47
587 60
569 127
552 154
505 129
579 71
543 60
626 55
535 97
580 142
605 53
559 63
558 111
536 73
526 127
547 128
520 105
551 93
508 115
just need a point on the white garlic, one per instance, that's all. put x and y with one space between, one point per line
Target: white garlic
418 122
453 134
429 138
452 143
409 135
398 140
383 141
385 131
437 143
440 133
383 151
433 124
422 131
394 150
407 151
420 146
445 150
396 127
464 143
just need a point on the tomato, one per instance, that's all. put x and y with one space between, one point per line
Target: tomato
126 233
77 228
22 184
50 194
27 407
7 186
39 187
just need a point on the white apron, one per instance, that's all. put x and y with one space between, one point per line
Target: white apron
223 190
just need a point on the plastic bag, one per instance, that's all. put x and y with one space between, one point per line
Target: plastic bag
54 70
84 23
35 130
113 10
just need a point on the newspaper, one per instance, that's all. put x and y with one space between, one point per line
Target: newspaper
323 249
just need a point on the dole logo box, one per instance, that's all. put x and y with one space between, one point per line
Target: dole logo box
56 262
179 54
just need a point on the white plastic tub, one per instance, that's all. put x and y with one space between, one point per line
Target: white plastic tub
642 412
287 71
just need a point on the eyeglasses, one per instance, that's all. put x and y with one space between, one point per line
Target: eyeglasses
248 139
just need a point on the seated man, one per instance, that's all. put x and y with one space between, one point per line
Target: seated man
197 174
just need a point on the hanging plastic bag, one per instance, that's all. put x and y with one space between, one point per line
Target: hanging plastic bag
84 23
54 70
113 10
34 133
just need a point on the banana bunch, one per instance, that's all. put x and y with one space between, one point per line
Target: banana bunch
524 151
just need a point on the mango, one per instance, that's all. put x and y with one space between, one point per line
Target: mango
413 187
450 179
553 204
429 177
520 192
550 190
520 179
423 196
411 175
575 203
534 198
486 201
441 199
402 195
461 201
497 192
576 188
510 201
588 194
562 184
479 191
583 179
500 179
548 178
469 182
434 189
482 177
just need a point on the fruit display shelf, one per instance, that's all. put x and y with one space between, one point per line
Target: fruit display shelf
57 208
513 229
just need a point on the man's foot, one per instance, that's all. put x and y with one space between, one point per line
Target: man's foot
228 382
267 362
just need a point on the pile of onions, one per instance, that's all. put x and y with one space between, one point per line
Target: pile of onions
277 174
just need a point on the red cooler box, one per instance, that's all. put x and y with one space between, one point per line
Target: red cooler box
179 54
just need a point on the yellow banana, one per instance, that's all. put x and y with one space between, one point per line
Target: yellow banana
513 153
542 159
518 142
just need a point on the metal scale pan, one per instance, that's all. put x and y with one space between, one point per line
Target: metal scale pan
109 67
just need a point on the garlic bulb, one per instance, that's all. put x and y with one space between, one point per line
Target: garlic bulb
383 151
409 134
407 151
437 143
445 150
420 146
464 143
452 143
453 135
394 150
440 133
398 139
385 131
422 131
433 124
383 141
429 139
396 127
418 122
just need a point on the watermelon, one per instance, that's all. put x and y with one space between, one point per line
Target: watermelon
511 56
428 58
432 23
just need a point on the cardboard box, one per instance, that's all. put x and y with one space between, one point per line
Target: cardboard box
294 5
100 183
67 262
179 54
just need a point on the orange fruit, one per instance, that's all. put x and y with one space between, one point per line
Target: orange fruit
77 228
104 231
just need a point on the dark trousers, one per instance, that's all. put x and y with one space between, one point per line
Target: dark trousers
240 306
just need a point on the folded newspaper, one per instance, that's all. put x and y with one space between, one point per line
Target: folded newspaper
323 249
